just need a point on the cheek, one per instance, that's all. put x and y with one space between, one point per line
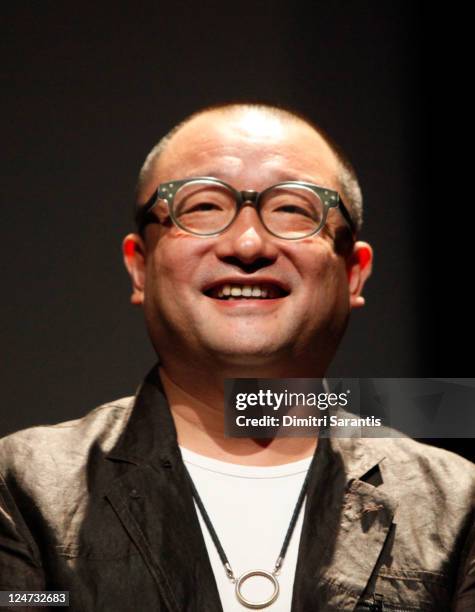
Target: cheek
174 257
326 284
322 266
164 290
171 288
333 275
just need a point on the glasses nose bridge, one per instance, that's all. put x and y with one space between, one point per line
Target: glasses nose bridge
249 197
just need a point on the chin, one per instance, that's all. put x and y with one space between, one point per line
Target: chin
246 353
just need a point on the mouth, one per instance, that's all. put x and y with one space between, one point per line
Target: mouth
229 291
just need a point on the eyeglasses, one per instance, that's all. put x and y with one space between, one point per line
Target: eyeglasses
206 206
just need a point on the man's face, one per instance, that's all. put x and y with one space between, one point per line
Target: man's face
183 273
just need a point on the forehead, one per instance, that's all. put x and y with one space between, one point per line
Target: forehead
250 149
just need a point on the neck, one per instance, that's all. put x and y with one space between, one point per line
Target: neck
197 410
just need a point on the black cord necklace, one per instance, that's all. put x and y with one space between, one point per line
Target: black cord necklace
271 576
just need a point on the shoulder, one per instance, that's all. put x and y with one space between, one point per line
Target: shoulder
412 469
51 475
417 473
43 446
404 455
421 459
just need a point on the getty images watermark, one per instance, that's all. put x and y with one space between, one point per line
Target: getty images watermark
288 400
423 408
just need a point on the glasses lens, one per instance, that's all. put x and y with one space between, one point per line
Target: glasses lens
204 207
291 211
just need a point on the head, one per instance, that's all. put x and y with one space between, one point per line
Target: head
313 282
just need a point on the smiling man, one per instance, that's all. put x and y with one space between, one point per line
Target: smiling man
246 264
307 287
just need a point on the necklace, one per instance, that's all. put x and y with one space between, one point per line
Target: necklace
271 576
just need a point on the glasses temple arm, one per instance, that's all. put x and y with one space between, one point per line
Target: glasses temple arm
346 216
141 211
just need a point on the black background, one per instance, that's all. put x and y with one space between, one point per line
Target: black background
88 90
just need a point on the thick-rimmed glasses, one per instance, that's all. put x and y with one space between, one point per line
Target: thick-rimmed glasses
206 206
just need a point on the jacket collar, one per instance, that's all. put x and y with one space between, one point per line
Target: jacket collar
150 434
152 499
346 524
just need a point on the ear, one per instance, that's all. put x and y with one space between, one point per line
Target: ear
359 266
133 251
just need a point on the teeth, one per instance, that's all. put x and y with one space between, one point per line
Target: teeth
245 291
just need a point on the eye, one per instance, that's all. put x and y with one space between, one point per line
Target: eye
202 206
294 209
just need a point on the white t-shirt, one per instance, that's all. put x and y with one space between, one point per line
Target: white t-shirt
250 508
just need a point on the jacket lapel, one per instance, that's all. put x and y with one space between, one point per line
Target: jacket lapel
153 501
347 521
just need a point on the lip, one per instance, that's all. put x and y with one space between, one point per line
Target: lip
251 305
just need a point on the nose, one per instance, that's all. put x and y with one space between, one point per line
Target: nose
247 244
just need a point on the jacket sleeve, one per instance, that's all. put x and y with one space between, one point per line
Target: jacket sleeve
464 600
20 564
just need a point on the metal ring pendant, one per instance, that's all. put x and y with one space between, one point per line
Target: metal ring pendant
258 605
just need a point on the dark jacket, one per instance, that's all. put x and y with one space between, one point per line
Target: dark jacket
101 506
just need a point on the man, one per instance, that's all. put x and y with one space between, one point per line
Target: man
144 504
